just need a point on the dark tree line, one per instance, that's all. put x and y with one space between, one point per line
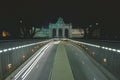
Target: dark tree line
27 31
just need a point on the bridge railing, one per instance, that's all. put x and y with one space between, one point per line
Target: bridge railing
11 58
108 57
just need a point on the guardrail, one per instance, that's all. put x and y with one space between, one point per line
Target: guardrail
108 57
12 58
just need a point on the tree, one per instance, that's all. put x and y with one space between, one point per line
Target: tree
26 31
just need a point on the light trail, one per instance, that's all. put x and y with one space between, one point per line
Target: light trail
29 63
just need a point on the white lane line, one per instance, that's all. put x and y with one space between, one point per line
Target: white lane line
33 65
27 65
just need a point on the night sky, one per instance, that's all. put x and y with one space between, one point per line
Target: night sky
78 12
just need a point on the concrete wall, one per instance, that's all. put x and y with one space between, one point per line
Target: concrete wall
15 56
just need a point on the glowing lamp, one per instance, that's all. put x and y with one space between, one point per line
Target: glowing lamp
86 48
32 50
23 56
93 53
9 66
104 60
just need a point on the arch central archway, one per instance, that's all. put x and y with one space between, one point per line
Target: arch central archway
60 32
66 33
54 33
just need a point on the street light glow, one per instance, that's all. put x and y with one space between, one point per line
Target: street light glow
1 51
97 23
104 60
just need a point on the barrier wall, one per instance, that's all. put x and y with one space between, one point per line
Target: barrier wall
11 58
108 57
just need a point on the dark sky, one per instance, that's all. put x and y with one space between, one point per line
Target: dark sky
77 12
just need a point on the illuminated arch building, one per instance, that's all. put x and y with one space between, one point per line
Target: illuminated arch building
59 30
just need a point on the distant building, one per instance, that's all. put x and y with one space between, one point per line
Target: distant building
77 33
43 33
59 30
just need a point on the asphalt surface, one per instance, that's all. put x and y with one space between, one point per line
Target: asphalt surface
81 65
41 68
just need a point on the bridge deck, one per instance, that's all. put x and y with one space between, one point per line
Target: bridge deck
61 60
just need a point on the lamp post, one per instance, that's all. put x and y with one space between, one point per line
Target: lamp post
90 25
90 29
98 28
21 21
97 24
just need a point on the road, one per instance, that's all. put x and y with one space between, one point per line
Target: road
40 66
61 61
82 66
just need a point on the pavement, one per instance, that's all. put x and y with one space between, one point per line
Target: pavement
62 61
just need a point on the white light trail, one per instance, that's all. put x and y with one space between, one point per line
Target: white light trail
33 65
29 63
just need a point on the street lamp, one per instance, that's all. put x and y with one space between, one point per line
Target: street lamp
21 21
24 56
90 26
9 66
97 23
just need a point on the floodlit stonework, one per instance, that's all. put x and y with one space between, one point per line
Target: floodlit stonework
59 30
